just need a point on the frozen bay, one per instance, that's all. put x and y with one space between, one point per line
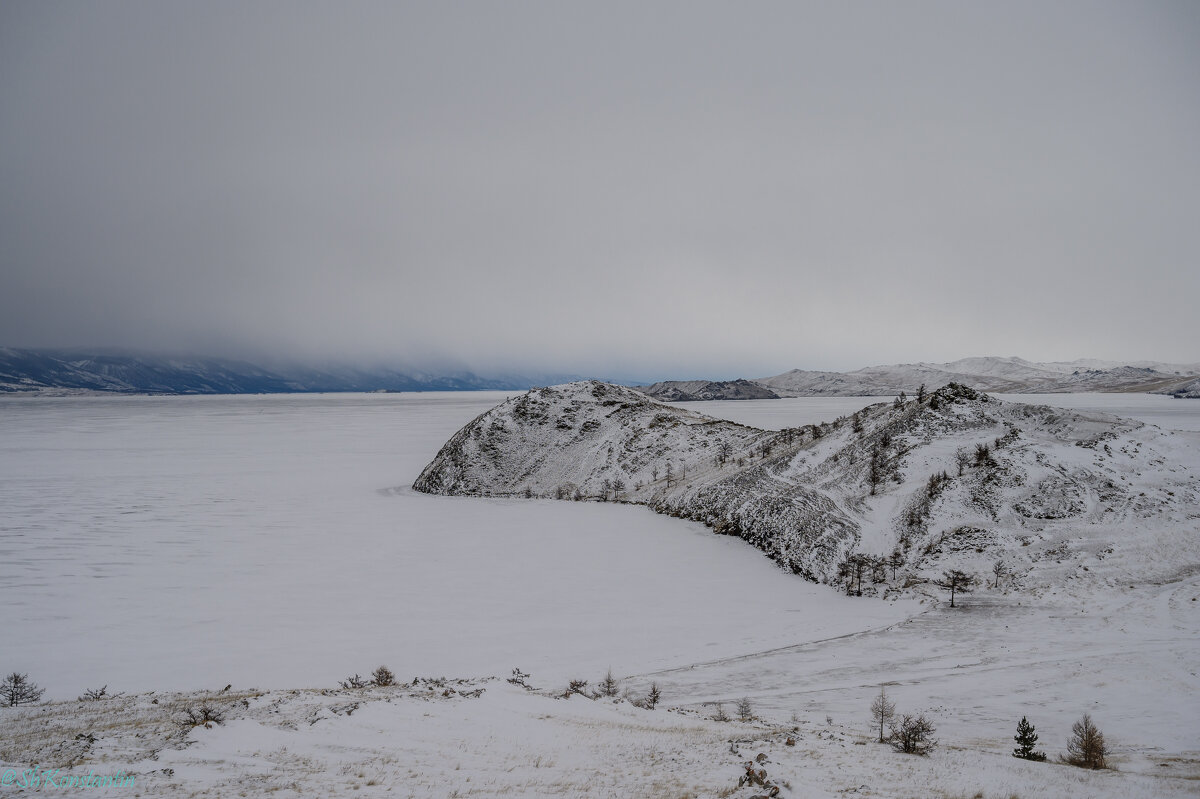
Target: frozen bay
180 542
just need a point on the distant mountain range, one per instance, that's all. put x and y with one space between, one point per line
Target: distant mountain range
121 371
77 371
1001 375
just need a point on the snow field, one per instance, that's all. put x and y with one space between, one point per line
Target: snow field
170 543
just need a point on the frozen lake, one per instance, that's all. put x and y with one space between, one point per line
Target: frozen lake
183 542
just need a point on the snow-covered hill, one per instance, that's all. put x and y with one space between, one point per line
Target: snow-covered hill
693 390
1002 375
1188 390
955 478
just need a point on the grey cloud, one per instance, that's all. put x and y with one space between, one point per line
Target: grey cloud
670 189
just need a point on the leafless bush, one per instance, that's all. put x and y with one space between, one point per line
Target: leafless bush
96 694
720 715
354 682
520 678
745 710
914 735
205 716
383 677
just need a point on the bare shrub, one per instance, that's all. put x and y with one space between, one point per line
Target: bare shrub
745 710
354 682
204 716
383 677
913 735
96 694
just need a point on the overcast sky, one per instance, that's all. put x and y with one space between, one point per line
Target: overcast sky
643 189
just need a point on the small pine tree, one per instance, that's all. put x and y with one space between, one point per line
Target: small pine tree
383 677
653 696
745 710
956 582
875 471
16 689
609 686
1027 739
982 454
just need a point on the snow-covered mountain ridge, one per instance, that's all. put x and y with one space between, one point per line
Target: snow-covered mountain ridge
692 390
127 372
1002 375
955 477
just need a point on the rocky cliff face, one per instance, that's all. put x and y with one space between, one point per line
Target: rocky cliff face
956 477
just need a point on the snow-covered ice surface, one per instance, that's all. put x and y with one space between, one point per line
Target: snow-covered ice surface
177 543
1167 412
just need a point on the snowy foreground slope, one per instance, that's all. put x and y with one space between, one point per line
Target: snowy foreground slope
492 738
956 479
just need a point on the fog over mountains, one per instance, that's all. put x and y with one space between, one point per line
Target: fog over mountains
75 371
